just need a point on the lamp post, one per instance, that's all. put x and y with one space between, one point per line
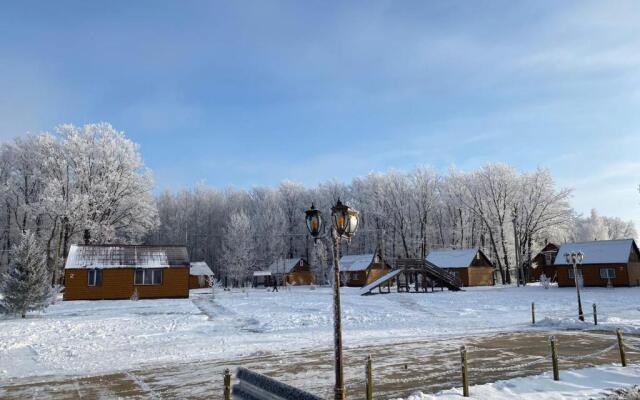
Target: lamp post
344 225
574 259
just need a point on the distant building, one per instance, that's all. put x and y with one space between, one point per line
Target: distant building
200 275
471 266
296 271
544 263
361 269
615 262
262 278
110 272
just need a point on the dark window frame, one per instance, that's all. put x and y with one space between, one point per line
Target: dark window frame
149 276
96 274
605 270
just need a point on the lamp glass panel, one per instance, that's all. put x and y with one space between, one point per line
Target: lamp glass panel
340 221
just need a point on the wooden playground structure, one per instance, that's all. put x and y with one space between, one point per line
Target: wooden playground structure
415 275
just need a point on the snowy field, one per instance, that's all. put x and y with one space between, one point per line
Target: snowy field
83 337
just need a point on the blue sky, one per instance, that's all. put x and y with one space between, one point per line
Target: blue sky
251 93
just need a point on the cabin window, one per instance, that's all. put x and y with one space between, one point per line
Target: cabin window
456 274
94 277
148 276
571 276
548 258
607 273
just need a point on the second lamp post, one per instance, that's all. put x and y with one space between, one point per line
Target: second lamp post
344 225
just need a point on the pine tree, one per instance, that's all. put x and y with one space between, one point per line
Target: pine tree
26 287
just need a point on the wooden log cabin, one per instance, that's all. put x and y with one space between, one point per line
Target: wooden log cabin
200 275
295 271
111 272
544 263
606 262
362 269
471 266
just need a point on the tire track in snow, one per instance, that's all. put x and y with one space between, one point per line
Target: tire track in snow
144 387
213 310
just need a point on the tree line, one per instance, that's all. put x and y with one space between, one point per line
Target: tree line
89 183
509 214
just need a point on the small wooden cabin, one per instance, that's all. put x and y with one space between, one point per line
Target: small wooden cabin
200 275
296 271
111 272
614 262
362 269
544 263
471 266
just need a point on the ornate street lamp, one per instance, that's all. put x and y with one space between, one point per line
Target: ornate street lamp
315 225
574 258
345 223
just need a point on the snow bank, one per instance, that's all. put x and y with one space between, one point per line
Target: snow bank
574 384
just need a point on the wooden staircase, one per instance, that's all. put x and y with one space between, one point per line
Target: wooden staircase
436 274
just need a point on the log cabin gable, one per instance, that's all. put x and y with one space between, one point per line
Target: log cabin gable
634 255
481 260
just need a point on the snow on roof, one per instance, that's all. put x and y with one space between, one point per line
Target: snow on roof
284 266
598 252
452 258
200 268
262 273
355 262
126 256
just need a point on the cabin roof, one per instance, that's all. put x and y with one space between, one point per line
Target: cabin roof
283 266
355 262
599 251
452 258
126 256
199 268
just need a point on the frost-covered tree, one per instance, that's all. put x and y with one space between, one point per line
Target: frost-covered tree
26 286
320 264
110 184
269 225
538 211
598 227
619 229
238 249
591 228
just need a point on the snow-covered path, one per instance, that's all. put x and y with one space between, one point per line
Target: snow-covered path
85 338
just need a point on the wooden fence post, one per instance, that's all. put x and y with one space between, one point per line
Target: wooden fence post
465 371
369 374
227 384
595 314
623 356
554 359
533 313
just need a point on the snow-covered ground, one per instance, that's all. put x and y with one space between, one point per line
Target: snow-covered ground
91 337
587 383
